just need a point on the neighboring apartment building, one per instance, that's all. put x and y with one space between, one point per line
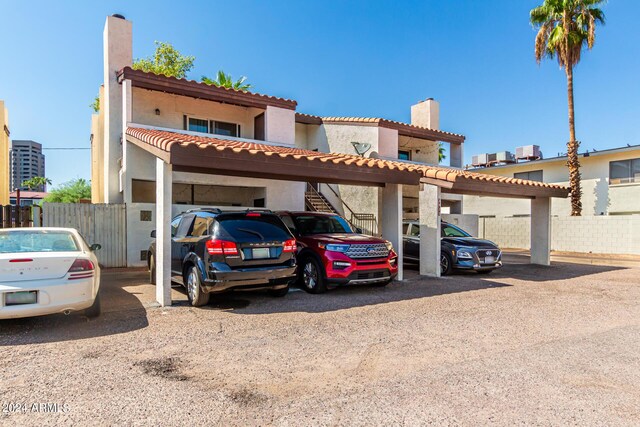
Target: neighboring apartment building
124 173
610 184
27 161
5 177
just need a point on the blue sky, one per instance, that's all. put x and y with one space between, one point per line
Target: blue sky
335 58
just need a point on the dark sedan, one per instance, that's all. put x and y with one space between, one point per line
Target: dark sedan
458 250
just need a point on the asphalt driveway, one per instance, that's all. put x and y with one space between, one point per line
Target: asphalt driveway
524 345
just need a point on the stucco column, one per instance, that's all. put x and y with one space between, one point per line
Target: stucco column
429 211
541 230
455 155
125 182
391 220
164 184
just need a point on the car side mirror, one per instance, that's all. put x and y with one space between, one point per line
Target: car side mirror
153 234
359 230
96 247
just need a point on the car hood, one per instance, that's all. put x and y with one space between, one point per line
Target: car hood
348 238
470 241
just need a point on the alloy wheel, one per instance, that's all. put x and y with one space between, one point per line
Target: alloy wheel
444 263
310 275
192 283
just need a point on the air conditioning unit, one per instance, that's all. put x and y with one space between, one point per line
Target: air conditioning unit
491 158
505 157
528 152
479 160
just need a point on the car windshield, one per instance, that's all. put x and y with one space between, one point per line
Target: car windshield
449 230
37 241
321 224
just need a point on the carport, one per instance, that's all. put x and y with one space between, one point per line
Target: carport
183 151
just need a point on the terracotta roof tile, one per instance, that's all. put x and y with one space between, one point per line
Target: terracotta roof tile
165 140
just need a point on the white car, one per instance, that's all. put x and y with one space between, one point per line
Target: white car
46 271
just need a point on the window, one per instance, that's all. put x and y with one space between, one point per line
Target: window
211 126
404 155
174 226
185 225
201 225
228 129
321 224
531 175
624 171
266 227
414 230
198 125
288 221
37 241
449 230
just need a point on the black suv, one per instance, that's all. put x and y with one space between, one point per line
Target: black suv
215 251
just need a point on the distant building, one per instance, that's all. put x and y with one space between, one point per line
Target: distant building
27 198
27 161
4 155
610 184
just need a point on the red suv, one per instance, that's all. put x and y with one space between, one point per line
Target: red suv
330 253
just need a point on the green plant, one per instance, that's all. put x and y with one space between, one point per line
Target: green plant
36 182
95 105
441 155
225 80
70 192
564 28
166 60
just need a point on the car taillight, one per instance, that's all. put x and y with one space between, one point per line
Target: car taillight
219 247
81 269
289 245
253 214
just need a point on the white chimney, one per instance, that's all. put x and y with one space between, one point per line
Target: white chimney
118 53
426 114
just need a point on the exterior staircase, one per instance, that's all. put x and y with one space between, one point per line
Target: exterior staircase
316 202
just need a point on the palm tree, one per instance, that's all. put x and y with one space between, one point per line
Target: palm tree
225 80
36 182
564 28
441 155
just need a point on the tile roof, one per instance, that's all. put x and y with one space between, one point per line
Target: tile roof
160 82
403 128
166 141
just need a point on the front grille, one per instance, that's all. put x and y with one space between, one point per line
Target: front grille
489 252
374 275
374 250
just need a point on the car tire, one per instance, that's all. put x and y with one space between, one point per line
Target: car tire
193 285
152 269
312 276
484 271
446 264
94 310
279 293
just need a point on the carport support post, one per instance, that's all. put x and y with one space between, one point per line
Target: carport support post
541 230
429 211
164 184
391 220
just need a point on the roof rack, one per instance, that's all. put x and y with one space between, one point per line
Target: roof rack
216 210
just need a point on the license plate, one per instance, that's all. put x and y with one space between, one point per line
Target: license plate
20 298
489 260
259 253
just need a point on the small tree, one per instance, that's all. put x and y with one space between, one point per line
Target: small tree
225 80
441 155
70 192
166 60
95 105
36 182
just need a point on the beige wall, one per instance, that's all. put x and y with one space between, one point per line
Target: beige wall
598 196
97 152
4 155
174 107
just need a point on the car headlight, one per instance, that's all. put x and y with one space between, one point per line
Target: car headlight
463 253
334 247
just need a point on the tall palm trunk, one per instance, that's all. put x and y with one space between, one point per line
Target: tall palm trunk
572 150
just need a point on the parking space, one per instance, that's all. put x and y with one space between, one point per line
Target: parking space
560 341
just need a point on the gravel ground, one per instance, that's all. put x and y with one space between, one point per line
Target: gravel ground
532 345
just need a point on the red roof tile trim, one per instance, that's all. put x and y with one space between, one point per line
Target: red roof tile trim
164 140
403 128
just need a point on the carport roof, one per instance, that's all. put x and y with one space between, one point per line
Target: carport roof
190 152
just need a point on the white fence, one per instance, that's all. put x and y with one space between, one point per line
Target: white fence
100 223
610 234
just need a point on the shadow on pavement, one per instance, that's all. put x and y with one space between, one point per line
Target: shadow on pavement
122 312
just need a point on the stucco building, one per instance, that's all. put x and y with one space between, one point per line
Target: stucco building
27 161
124 173
5 177
610 184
